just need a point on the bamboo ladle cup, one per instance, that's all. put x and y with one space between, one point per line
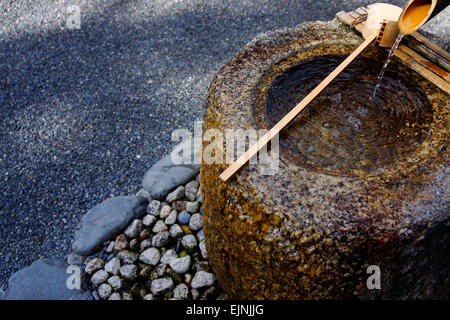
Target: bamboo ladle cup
417 12
377 15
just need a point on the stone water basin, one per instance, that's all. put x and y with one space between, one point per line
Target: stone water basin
361 182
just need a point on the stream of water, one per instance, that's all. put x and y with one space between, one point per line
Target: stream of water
383 70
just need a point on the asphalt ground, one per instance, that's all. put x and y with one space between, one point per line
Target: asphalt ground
85 112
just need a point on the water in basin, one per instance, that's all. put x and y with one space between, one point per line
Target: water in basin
343 131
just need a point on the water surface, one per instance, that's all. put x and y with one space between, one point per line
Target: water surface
342 131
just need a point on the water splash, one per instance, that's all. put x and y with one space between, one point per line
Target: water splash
383 70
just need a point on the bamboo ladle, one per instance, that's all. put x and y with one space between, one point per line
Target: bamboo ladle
378 14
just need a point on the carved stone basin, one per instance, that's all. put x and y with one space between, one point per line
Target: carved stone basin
360 182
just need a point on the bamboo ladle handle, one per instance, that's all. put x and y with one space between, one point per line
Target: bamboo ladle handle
253 150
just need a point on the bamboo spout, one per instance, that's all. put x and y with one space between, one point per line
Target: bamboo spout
417 12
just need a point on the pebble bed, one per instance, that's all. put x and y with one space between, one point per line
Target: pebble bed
159 257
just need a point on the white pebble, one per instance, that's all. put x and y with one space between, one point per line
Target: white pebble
153 208
127 257
113 266
191 190
189 241
149 220
145 244
172 218
128 271
159 286
159 227
168 256
196 222
99 277
104 291
175 231
115 296
181 265
115 282
150 256
203 279
181 292
192 206
94 265
165 211
160 239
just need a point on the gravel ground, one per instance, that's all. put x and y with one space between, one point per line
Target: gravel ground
84 112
